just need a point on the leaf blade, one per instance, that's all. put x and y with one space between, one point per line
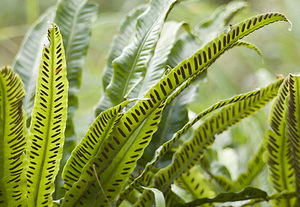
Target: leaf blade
48 122
13 139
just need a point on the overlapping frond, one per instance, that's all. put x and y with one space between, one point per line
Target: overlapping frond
195 184
130 66
27 61
13 140
90 144
293 125
119 42
193 149
126 130
103 185
160 152
48 122
280 159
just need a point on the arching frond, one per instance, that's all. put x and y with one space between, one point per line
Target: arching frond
293 125
280 159
193 149
126 129
90 144
13 140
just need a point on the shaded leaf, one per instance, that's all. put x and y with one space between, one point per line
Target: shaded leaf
119 42
27 61
130 67
74 18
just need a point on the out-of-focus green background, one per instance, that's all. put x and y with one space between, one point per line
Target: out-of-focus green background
237 71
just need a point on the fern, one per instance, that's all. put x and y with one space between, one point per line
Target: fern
143 104
13 140
48 123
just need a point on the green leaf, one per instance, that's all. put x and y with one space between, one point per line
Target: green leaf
191 67
48 122
175 115
160 152
126 131
293 125
118 44
90 144
279 147
13 139
26 62
190 152
157 65
118 166
74 18
247 194
130 67
280 158
200 61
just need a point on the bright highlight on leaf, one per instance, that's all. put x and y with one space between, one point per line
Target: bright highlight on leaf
48 123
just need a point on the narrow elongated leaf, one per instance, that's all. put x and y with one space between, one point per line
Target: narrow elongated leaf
112 179
118 44
74 18
160 152
280 159
293 120
124 136
26 63
48 122
130 67
89 145
192 67
195 66
157 65
193 149
13 138
175 114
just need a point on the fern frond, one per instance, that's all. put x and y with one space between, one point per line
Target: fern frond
13 140
193 149
48 122
293 125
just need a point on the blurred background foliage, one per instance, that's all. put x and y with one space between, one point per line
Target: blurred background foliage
237 71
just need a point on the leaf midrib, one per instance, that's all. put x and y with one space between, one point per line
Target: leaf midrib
137 57
46 145
2 132
205 143
70 39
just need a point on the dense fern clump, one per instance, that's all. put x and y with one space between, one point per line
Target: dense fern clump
142 148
